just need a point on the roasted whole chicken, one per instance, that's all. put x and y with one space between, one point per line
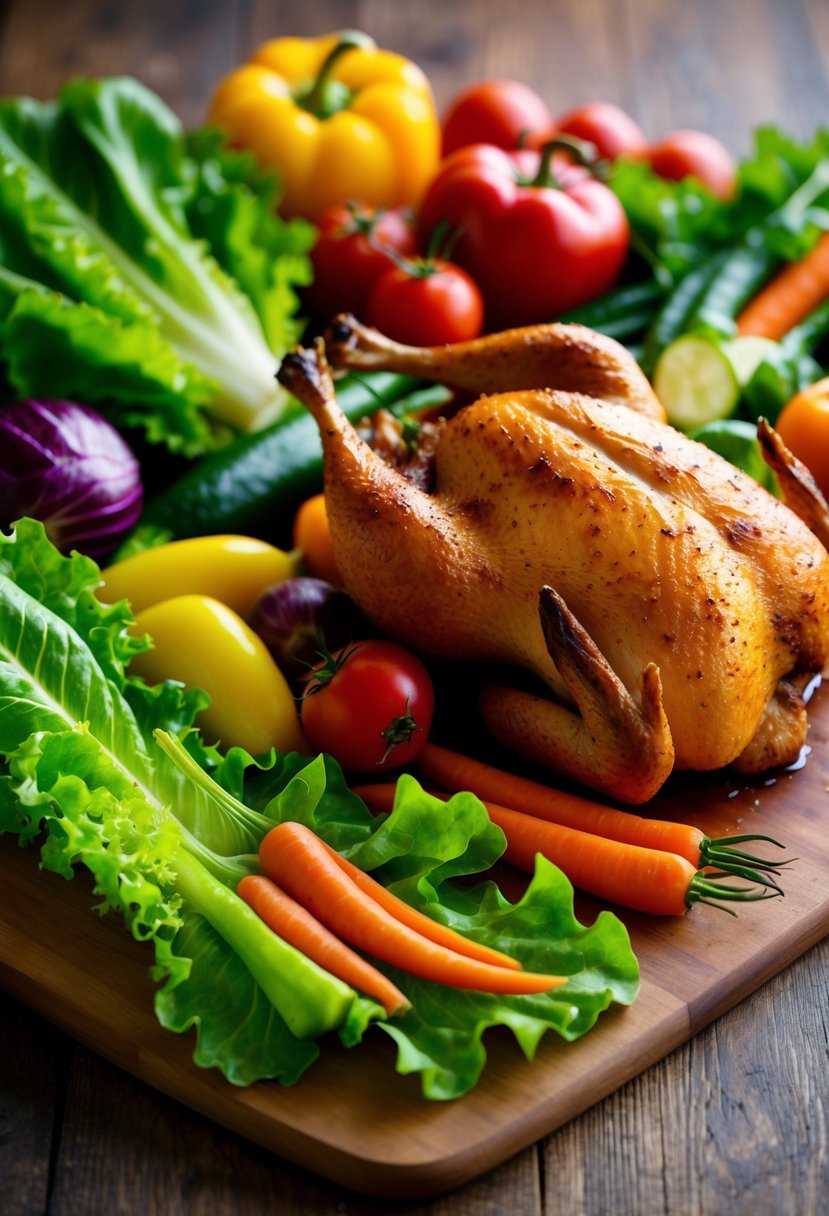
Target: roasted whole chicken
671 610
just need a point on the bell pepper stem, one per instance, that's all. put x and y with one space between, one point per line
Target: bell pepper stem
324 96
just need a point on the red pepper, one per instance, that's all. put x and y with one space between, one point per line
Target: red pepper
539 233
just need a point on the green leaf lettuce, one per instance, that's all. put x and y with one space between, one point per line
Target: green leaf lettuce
107 773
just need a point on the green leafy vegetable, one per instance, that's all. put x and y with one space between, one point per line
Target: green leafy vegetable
109 288
107 773
416 851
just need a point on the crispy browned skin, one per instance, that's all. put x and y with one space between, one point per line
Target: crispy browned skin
659 593
567 357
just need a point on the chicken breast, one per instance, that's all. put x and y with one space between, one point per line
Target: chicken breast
670 608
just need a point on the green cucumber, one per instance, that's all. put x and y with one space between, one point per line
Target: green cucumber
743 272
674 316
746 352
623 312
696 382
254 484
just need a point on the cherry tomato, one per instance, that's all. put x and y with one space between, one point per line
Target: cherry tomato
611 130
498 112
803 426
426 303
312 535
355 244
370 707
684 154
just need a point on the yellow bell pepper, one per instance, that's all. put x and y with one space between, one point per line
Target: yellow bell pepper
338 117
204 644
233 569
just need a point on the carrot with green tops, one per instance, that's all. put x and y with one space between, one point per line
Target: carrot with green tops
643 879
646 880
297 926
790 296
298 861
454 772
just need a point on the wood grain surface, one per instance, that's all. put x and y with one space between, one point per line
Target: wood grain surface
736 1119
350 1117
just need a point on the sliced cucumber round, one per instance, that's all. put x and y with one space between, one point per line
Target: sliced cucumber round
696 382
746 353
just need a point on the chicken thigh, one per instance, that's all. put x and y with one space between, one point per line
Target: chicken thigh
669 608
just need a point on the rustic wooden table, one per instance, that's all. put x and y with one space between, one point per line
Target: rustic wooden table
737 1119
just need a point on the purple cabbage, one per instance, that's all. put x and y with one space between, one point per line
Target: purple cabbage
65 465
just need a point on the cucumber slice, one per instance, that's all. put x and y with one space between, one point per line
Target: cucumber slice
696 382
745 354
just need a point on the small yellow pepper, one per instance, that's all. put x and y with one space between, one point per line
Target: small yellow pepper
204 644
233 569
338 117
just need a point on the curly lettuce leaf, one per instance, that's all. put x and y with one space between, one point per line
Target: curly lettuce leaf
166 844
56 347
62 657
417 851
237 1028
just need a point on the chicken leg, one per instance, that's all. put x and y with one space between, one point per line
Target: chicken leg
567 357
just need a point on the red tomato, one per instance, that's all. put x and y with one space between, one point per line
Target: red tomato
684 154
611 130
496 112
375 710
352 250
426 303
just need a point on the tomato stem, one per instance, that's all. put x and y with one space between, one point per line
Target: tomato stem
399 730
324 673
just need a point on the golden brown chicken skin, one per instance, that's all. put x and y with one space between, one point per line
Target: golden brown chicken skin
659 594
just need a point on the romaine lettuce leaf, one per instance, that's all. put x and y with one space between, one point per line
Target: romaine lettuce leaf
129 794
232 209
107 293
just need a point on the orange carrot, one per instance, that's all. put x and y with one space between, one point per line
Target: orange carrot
643 879
442 935
295 925
297 860
790 296
454 772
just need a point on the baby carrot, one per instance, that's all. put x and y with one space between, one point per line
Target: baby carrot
454 772
790 296
295 925
298 861
442 935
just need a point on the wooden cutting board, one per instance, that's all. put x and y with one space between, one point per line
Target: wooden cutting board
352 1118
